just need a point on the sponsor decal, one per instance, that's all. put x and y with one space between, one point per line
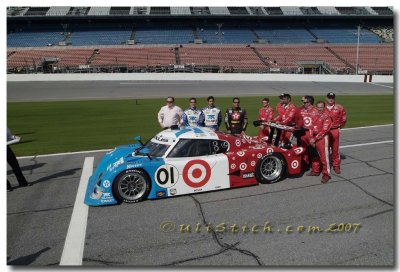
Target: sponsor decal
295 164
97 193
135 165
243 166
298 150
106 184
111 167
198 190
241 153
217 187
237 142
166 176
307 121
106 200
173 191
253 163
160 193
196 173
160 138
248 175
259 155
233 166
270 150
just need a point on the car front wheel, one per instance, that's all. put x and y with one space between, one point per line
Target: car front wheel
270 168
132 186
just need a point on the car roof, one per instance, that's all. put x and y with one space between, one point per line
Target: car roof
189 133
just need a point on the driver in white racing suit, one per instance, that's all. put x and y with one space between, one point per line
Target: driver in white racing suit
212 114
193 117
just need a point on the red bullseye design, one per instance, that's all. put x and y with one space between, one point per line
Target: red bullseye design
196 173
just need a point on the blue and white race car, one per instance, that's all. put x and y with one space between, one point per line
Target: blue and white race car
186 161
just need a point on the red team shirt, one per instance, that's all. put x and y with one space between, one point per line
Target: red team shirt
338 115
286 115
266 114
322 123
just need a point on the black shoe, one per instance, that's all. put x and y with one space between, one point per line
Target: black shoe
25 184
10 189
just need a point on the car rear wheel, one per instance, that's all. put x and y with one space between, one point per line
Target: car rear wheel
270 168
131 186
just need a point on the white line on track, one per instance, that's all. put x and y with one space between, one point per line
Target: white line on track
372 143
106 150
381 85
367 127
75 241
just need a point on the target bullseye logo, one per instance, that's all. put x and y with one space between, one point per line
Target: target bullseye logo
295 164
196 173
307 121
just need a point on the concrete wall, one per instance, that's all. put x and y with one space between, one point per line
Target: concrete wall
198 77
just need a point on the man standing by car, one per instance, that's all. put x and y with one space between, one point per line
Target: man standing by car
236 118
266 113
192 116
322 123
286 115
212 114
339 118
170 115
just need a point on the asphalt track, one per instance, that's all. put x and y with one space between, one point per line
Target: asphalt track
91 90
38 217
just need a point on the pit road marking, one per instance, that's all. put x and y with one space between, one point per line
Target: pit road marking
75 241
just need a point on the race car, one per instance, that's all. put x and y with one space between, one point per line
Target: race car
185 161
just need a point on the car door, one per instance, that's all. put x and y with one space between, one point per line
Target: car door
194 166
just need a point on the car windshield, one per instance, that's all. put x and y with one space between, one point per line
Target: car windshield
153 149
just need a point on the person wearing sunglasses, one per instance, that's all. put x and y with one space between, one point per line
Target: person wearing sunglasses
236 118
170 115
192 116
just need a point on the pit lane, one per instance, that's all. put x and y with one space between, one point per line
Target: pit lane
38 217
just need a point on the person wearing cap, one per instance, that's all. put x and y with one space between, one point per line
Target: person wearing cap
236 118
192 116
266 113
321 124
339 118
170 115
286 115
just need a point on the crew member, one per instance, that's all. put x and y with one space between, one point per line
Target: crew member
322 123
236 118
13 162
339 118
170 115
266 113
192 116
212 114
286 115
306 113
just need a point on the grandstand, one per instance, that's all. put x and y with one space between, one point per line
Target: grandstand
200 39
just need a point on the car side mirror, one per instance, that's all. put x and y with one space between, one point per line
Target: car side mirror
139 139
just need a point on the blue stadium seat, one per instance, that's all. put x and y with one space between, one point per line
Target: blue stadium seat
164 35
344 34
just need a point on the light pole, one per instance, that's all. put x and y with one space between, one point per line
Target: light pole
219 33
358 47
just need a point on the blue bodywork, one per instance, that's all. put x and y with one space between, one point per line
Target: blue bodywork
100 186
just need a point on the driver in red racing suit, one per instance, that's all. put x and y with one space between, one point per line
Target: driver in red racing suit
322 123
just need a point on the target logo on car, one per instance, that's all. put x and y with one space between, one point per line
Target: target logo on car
196 173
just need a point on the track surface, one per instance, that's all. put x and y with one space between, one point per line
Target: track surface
88 90
38 217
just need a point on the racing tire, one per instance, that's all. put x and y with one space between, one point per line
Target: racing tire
131 186
270 168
